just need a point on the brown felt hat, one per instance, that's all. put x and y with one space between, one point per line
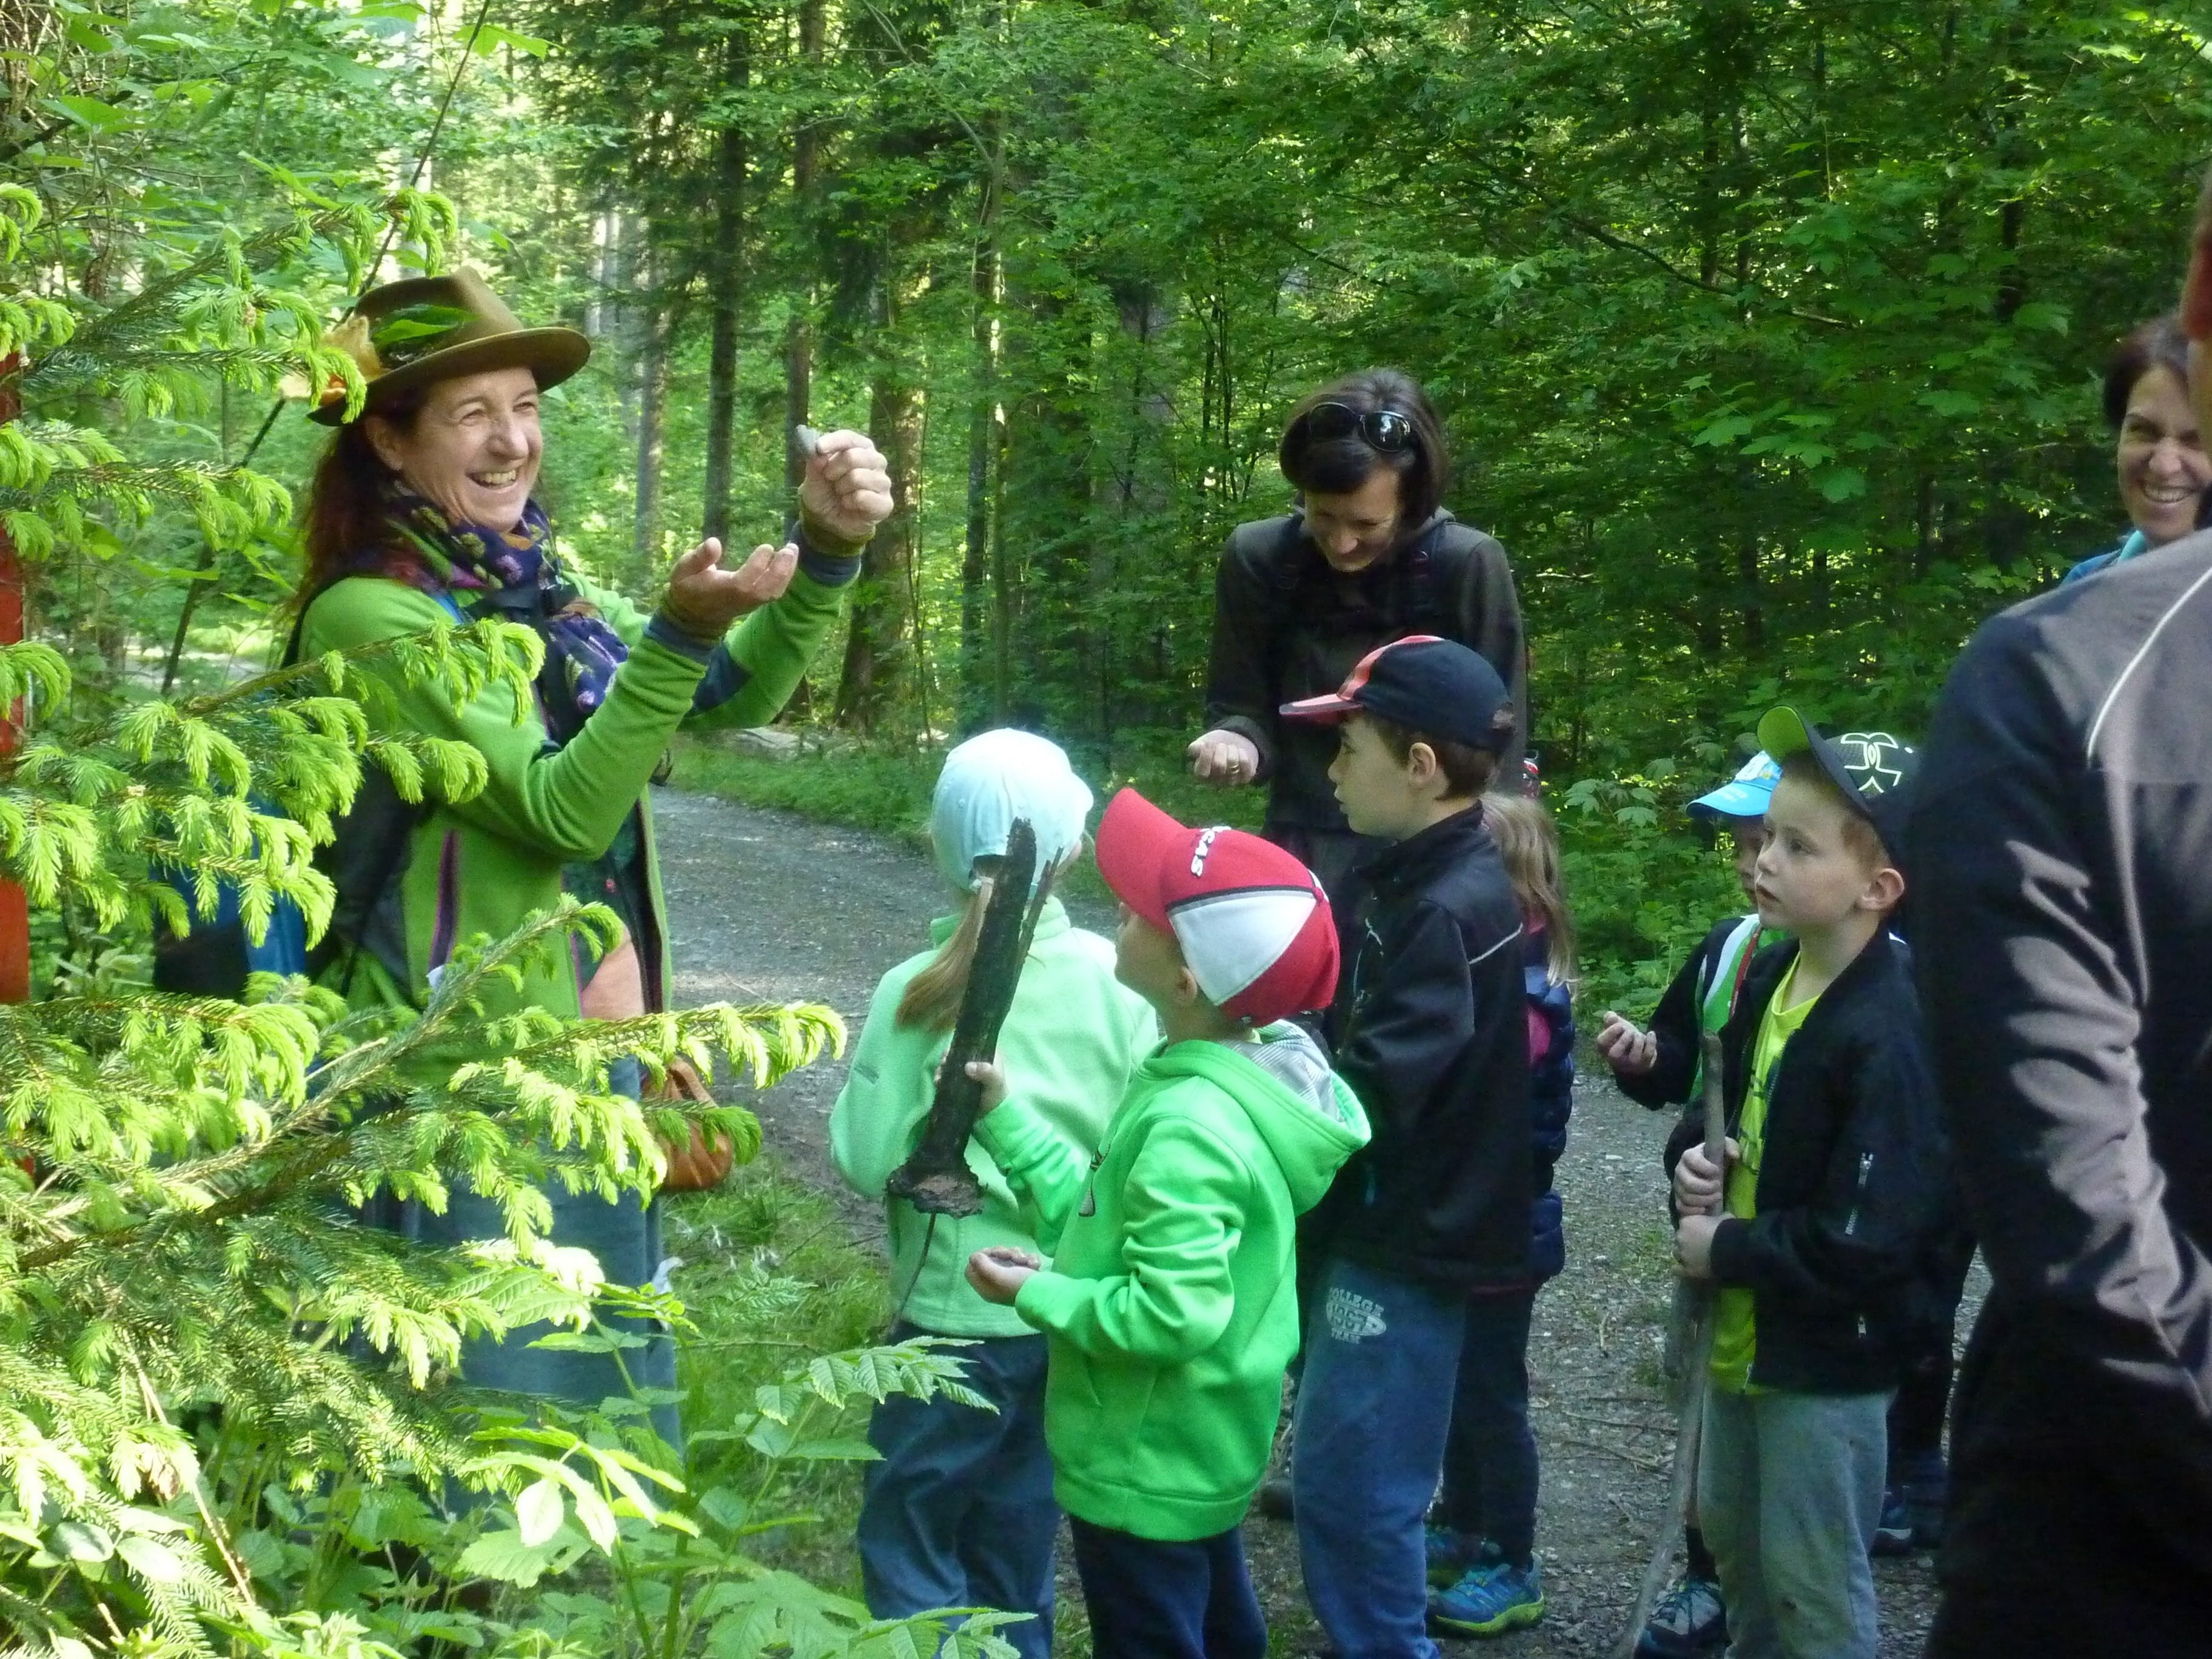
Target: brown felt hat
433 328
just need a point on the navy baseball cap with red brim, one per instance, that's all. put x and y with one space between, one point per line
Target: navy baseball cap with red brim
1434 686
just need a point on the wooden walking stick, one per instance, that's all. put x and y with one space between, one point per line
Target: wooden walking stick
1689 1347
936 1180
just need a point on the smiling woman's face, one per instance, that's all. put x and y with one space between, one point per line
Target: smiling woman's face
2162 464
473 451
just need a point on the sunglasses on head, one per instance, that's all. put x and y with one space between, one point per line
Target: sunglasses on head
1384 429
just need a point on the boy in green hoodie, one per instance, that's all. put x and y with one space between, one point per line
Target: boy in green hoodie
1169 1311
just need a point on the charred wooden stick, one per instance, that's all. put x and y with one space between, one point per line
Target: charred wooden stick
1692 1347
936 1180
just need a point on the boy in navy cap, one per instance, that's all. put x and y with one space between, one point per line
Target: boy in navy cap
1431 1031
1819 1229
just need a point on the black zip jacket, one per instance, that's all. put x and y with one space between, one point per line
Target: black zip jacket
1852 1182
2059 850
1678 1024
1431 1029
1286 626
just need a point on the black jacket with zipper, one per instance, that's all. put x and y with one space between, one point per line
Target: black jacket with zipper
1431 1029
1853 1180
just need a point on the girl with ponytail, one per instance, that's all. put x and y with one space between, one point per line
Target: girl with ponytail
959 1512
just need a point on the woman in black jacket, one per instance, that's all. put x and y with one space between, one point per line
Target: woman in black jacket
1370 555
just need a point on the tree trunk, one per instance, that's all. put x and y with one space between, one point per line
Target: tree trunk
976 677
726 281
798 336
879 649
652 395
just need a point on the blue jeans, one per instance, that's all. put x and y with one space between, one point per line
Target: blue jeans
960 1513
1788 1494
1374 1410
1490 1460
1150 1600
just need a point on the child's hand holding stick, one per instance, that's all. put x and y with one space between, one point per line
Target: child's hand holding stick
1693 1335
936 1180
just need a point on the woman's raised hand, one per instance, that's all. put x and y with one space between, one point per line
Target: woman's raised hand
847 487
703 599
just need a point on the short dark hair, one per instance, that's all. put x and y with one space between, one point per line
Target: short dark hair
1336 465
1468 770
2158 343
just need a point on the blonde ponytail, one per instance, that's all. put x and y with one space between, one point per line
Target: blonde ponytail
932 999
1529 842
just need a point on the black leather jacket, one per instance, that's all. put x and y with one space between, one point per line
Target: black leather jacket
1431 1029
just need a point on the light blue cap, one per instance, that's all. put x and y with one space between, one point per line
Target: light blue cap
1746 794
990 780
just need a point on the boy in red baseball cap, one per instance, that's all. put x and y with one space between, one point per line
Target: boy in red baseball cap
1170 1308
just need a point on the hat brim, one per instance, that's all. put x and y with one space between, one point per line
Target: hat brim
1733 800
1135 842
553 355
1784 732
1326 709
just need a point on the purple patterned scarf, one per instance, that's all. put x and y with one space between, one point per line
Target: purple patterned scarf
582 652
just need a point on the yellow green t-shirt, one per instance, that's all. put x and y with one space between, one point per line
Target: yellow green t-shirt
1735 1340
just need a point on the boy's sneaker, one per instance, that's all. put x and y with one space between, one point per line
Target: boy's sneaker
1451 1554
1892 1534
1489 1599
1690 1620
1913 1509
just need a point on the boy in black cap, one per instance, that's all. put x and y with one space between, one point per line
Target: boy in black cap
1431 1031
1818 1230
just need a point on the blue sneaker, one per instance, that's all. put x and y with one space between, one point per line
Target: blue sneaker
1489 1599
1450 1554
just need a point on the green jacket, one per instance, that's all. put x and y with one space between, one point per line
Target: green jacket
1172 1309
1070 1043
484 866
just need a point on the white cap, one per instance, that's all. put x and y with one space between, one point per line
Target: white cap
990 780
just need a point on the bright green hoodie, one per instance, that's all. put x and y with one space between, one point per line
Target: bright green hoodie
484 866
1070 1043
1171 1307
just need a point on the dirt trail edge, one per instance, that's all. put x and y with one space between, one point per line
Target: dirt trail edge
768 906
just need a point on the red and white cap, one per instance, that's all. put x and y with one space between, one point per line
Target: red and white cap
1253 922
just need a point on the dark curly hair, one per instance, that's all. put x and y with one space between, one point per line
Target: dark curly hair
345 513
2158 343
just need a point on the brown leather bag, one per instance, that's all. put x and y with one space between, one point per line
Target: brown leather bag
707 1161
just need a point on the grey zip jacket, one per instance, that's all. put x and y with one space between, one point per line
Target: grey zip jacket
2059 851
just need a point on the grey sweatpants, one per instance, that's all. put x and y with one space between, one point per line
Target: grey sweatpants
1788 1494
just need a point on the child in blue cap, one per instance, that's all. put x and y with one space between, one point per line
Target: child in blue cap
1661 1066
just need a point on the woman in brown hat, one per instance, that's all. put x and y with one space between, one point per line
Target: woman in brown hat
422 512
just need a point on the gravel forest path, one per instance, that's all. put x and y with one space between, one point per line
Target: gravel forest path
765 905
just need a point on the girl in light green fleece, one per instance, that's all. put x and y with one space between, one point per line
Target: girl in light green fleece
960 1512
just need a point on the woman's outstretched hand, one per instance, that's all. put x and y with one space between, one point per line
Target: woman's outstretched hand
703 599
1225 757
847 487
